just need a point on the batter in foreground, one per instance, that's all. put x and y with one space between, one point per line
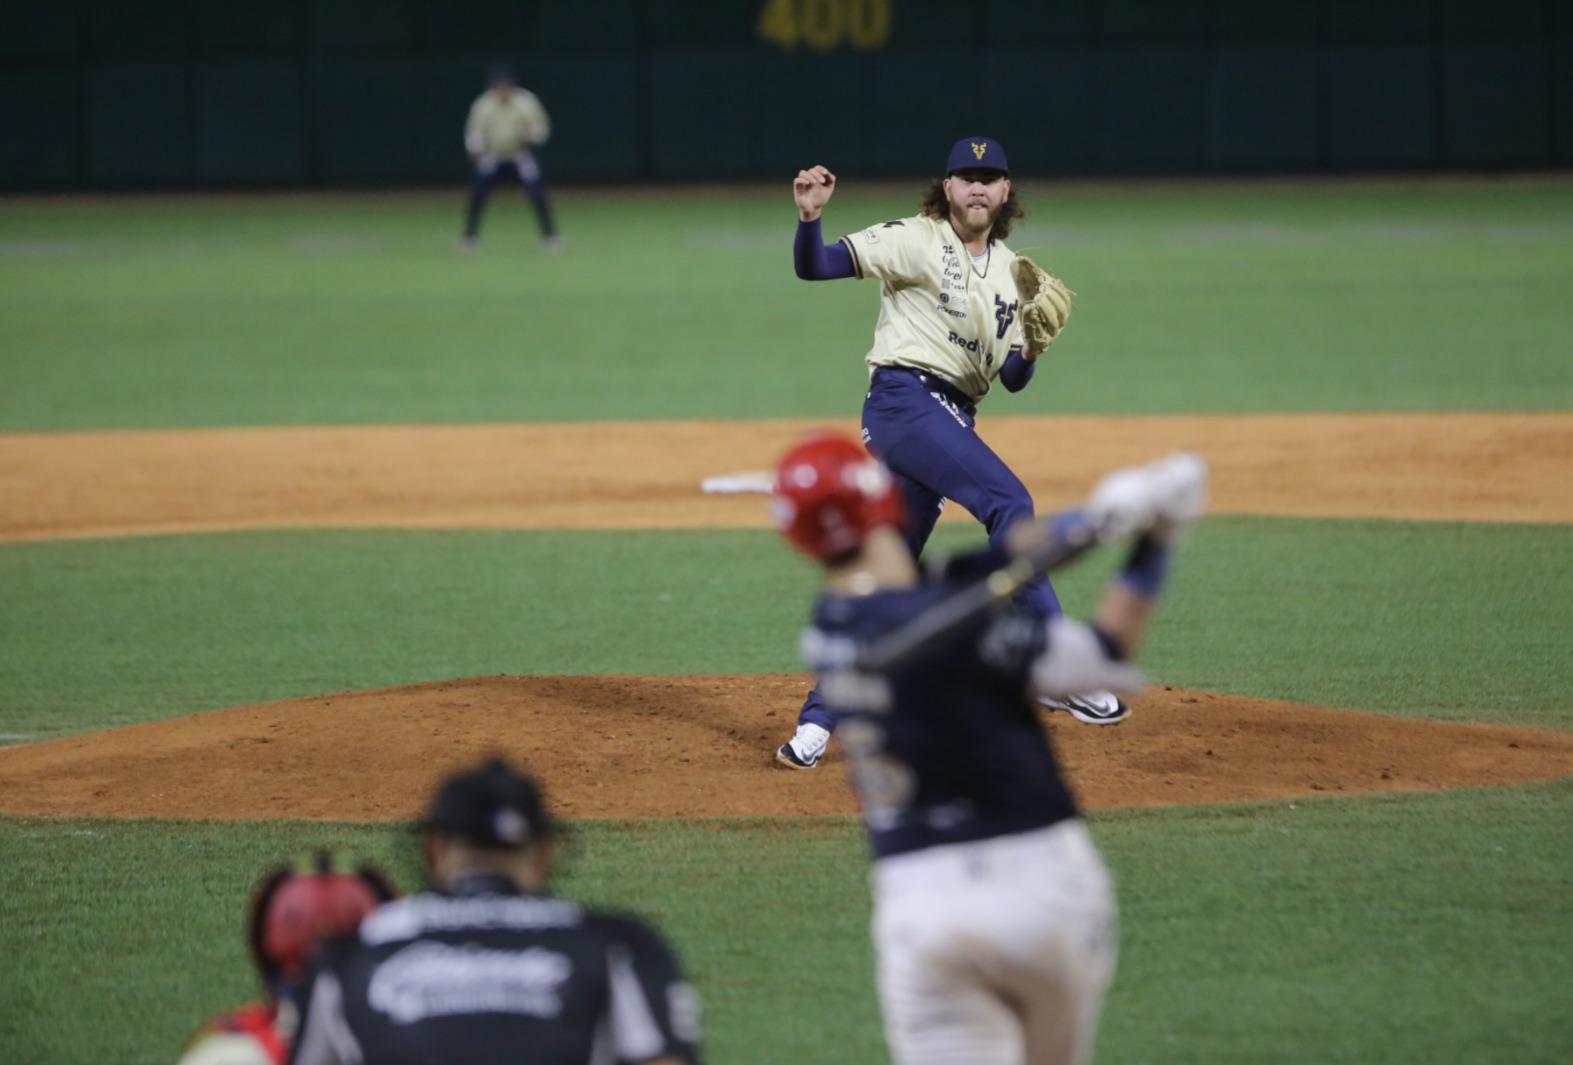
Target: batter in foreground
994 918
957 309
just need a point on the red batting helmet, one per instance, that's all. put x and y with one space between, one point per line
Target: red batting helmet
830 494
294 911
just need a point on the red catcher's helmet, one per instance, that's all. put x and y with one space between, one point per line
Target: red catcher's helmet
830 494
294 911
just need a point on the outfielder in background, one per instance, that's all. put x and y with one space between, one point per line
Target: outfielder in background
994 917
957 309
506 124
292 912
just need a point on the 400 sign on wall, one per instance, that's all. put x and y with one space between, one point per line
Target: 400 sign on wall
825 25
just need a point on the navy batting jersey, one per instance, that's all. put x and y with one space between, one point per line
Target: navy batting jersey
949 748
487 975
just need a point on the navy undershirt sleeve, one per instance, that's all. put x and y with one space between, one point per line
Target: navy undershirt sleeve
1017 371
814 260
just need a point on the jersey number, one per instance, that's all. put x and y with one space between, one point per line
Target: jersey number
1004 314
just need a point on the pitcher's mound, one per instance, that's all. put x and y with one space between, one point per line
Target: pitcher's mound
640 747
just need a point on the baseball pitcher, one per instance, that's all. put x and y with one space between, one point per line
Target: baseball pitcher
957 309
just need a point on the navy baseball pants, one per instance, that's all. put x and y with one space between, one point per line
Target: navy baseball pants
487 171
925 431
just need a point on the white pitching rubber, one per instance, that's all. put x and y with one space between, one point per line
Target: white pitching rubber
747 481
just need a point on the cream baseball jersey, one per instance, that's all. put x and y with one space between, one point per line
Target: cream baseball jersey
504 128
938 309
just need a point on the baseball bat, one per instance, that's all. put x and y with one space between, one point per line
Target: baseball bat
1069 536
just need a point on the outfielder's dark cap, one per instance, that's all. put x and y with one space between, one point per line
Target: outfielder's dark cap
499 72
493 806
977 153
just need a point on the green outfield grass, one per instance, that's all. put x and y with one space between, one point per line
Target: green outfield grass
1401 929
1397 929
1464 622
216 311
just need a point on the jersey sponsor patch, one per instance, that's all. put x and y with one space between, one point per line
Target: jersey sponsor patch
414 916
438 980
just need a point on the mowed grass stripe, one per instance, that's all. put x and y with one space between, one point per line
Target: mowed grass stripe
215 311
1458 622
1401 929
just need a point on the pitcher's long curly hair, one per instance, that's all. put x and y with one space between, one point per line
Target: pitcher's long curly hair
934 205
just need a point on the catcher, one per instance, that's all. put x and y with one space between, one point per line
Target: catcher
957 309
292 912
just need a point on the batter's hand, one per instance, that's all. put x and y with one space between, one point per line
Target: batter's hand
1160 498
811 189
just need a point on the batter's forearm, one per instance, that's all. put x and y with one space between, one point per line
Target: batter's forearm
1127 604
814 260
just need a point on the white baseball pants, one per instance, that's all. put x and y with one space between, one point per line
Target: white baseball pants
997 952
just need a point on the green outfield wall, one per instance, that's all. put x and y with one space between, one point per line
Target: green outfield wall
182 93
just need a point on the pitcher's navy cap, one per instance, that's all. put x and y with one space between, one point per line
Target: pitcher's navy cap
977 153
499 72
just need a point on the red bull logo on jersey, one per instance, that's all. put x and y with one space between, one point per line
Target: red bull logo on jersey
964 345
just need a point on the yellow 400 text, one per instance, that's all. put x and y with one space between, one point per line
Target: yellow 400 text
825 25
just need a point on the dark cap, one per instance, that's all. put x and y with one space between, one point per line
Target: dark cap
977 153
499 72
493 806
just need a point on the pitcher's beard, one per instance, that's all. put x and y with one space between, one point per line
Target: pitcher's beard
958 218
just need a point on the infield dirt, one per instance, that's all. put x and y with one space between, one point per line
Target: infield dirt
640 475
618 746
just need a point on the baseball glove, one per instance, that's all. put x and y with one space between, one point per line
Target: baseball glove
1045 303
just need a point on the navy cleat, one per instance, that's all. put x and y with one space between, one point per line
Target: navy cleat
1091 708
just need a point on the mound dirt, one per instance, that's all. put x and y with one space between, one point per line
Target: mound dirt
701 746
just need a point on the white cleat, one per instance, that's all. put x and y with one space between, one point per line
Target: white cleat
804 750
1091 708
